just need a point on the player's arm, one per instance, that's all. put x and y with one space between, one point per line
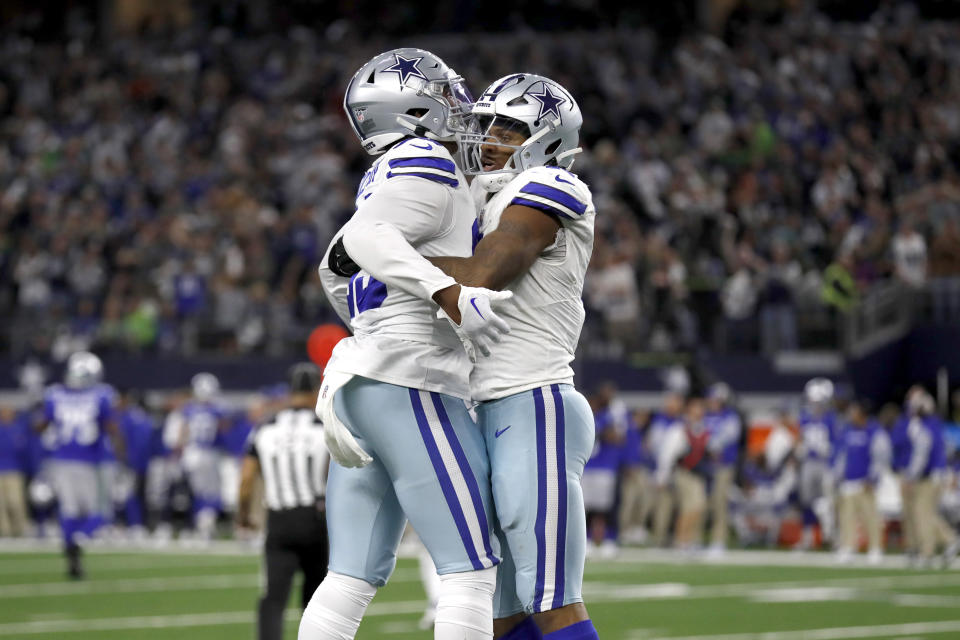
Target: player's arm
335 271
249 472
506 253
380 238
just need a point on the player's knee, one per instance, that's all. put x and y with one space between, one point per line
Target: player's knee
336 608
466 602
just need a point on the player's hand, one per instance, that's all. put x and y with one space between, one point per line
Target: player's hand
479 326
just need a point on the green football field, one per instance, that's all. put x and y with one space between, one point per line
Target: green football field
640 595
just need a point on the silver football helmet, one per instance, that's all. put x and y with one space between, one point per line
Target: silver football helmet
406 92
538 108
818 392
84 370
204 386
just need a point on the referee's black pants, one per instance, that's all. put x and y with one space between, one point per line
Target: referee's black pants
296 539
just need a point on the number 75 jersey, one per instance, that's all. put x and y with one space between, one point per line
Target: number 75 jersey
546 312
77 420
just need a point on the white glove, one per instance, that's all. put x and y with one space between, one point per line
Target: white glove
479 326
343 447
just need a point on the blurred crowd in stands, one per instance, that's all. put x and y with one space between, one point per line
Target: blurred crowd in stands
173 191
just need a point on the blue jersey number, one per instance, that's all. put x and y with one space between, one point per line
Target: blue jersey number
365 293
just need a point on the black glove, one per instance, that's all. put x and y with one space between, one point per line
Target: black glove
340 261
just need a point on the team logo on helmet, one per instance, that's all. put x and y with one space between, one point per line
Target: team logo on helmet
406 68
549 103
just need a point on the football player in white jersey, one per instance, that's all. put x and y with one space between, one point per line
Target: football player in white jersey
537 223
393 395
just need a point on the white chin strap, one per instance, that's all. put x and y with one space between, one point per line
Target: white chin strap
494 181
568 154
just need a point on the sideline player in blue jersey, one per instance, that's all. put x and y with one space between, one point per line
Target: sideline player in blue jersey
818 435
863 452
600 473
924 475
78 415
196 429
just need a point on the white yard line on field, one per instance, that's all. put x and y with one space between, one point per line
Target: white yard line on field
734 557
140 585
832 633
609 591
77 625
612 591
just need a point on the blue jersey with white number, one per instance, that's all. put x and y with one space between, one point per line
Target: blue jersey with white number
77 418
202 421
819 435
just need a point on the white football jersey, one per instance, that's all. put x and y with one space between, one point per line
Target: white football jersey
546 312
413 196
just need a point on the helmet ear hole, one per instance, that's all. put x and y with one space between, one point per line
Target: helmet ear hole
550 150
416 113
370 77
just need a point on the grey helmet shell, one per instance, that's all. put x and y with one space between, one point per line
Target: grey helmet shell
405 92
84 370
547 109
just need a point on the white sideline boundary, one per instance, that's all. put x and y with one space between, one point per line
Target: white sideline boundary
733 557
594 591
224 581
77 625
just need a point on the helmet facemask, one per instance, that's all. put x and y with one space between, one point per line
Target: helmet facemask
514 128
454 99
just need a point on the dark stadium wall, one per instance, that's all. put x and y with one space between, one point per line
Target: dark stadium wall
917 358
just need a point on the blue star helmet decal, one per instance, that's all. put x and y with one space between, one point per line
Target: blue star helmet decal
549 103
405 68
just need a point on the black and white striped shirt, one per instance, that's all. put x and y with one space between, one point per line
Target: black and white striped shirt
293 459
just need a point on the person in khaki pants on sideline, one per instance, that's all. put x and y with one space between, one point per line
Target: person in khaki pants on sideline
863 452
13 506
724 425
924 475
637 490
690 478
665 450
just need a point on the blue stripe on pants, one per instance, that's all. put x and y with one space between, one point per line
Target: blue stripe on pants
561 497
468 476
446 485
540 526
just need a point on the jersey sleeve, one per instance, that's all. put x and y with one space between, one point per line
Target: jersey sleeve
335 287
556 192
412 205
423 159
106 406
49 405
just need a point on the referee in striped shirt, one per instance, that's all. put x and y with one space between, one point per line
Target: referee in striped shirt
289 452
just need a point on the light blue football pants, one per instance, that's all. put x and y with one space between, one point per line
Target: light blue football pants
430 466
538 442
